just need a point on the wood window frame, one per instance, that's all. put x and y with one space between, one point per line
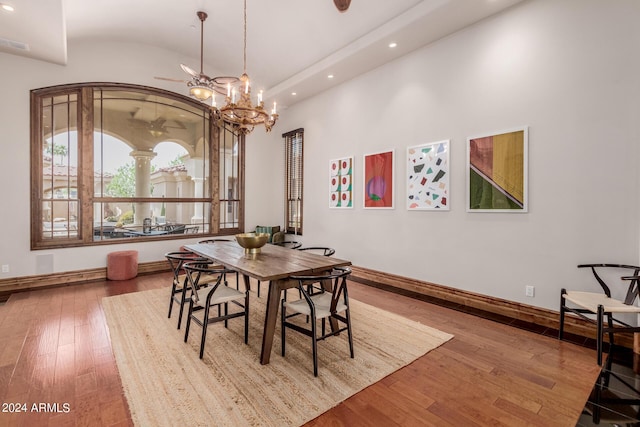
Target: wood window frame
85 168
294 181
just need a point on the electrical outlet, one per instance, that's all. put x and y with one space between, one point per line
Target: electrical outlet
529 291
5 268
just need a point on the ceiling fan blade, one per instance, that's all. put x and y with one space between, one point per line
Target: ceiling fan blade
189 70
171 80
224 80
179 123
158 122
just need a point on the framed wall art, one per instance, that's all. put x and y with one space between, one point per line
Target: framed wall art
341 183
497 172
428 176
378 180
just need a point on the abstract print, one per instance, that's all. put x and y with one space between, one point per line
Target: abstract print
378 180
428 176
341 183
498 172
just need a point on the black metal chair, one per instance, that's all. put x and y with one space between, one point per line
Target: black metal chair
179 286
217 294
319 304
595 306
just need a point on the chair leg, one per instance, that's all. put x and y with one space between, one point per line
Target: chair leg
183 299
226 313
282 327
314 340
562 312
611 343
246 316
173 292
205 322
348 316
186 328
600 334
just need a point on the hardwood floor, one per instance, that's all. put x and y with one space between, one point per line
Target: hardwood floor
55 353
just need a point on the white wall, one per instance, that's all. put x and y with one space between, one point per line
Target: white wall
567 69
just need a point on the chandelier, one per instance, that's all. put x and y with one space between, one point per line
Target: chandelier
238 108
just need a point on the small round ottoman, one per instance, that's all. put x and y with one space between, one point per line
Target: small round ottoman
122 265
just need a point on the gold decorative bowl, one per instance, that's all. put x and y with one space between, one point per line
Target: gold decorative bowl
252 242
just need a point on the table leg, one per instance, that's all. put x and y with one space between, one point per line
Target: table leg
270 319
247 282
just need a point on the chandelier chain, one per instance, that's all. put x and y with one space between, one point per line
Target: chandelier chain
245 38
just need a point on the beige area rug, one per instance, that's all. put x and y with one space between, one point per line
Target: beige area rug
166 384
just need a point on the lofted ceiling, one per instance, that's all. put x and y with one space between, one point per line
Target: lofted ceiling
292 45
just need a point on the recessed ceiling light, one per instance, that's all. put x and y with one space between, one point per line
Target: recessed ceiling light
7 7
293 93
393 44
330 76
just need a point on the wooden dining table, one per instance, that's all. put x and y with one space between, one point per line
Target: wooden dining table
273 264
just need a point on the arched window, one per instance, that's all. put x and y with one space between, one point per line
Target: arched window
117 161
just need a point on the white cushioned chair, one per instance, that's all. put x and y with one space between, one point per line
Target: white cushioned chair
318 304
596 306
215 295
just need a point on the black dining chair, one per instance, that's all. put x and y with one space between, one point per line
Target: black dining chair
215 295
318 304
178 285
601 308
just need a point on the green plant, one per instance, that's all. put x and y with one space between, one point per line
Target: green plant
126 218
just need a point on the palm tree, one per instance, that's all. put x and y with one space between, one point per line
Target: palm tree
56 150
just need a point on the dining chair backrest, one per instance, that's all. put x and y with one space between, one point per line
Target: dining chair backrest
339 289
206 241
289 244
196 269
323 250
178 258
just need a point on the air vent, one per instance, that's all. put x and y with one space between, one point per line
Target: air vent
12 44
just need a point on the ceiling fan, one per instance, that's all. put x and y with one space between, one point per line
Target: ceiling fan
156 127
342 5
200 82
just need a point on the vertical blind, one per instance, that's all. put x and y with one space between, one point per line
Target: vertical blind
293 180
